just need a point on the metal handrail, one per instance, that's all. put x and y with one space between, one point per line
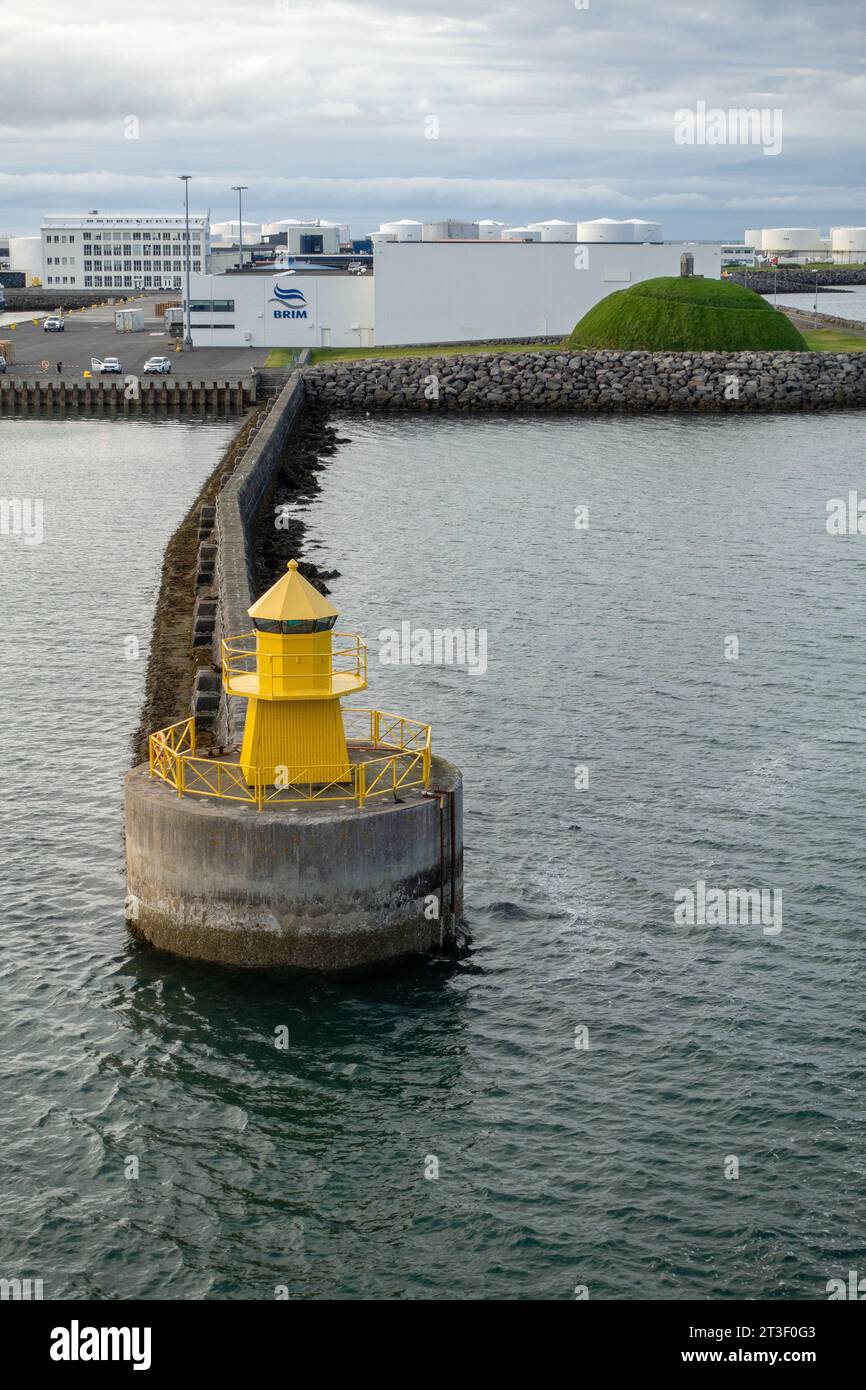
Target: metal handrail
245 660
173 759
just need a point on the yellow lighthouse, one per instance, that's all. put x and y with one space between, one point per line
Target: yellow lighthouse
294 678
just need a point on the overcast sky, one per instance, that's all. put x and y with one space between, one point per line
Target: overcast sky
325 108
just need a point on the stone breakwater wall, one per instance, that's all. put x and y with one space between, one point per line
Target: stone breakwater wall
594 381
794 280
804 319
236 508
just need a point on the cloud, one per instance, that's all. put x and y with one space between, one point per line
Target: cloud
542 109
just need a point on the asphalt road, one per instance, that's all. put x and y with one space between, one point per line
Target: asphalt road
91 333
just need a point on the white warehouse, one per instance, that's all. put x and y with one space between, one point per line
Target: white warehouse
121 251
432 292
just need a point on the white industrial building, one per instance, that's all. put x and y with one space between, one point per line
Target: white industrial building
307 238
448 291
123 251
25 254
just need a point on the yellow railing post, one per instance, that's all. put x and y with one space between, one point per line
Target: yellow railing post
374 720
362 785
178 764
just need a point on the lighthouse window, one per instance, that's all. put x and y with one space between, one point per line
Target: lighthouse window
296 626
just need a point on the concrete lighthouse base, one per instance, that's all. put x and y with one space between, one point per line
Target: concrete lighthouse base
317 887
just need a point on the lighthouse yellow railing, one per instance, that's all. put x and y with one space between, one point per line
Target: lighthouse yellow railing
347 657
405 763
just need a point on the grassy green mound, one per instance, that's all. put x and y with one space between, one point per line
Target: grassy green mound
683 314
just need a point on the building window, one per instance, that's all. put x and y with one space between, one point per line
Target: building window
88 281
127 265
87 236
127 282
212 306
88 265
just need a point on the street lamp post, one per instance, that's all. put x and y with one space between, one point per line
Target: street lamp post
187 342
240 189
815 319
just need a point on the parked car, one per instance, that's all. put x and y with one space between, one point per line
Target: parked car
157 364
53 325
110 364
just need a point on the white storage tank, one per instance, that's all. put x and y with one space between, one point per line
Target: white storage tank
556 230
452 229
849 239
404 230
489 230
283 225
228 231
606 229
793 239
520 234
378 237
645 231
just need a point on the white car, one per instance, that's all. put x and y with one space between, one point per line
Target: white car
110 364
2 365
157 364
53 325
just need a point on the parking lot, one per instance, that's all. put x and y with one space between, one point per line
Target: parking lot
90 333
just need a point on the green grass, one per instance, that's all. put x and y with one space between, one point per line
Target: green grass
685 314
352 354
834 340
281 357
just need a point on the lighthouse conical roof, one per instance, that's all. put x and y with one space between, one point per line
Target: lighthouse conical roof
292 598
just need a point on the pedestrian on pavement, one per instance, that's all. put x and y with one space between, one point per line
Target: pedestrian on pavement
59 368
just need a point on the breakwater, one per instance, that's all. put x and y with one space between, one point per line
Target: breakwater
323 877
806 318
594 382
27 300
122 396
237 507
796 279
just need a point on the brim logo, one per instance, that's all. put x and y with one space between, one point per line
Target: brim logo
291 298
